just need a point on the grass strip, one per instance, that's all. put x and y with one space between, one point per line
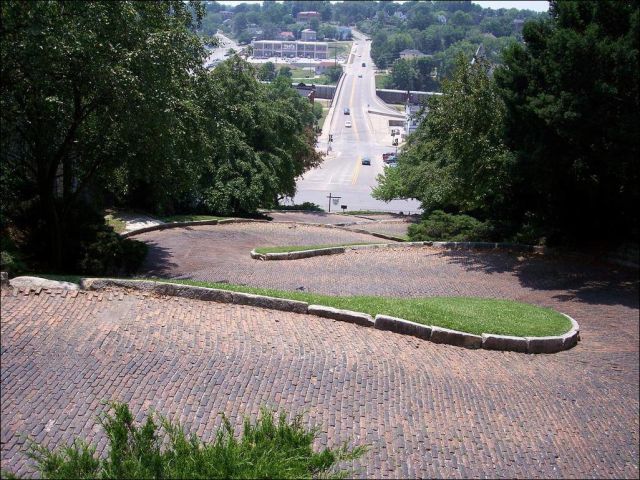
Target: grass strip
471 315
299 248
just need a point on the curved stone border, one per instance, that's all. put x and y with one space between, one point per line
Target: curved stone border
382 322
328 251
164 226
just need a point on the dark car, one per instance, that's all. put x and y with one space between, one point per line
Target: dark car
347 111
364 64
366 161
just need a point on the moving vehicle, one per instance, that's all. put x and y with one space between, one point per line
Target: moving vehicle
347 111
347 123
366 161
389 156
360 75
364 64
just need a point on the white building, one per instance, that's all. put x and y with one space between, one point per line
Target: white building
276 48
308 35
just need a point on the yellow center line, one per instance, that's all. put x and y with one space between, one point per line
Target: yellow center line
353 122
356 171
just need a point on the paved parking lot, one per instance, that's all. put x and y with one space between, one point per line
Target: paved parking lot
426 410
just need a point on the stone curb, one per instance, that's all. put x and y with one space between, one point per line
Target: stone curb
491 245
198 293
195 223
435 334
358 318
297 255
405 327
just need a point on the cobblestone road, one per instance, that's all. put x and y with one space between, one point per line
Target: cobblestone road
426 410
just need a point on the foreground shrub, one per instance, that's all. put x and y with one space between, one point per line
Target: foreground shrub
269 449
441 226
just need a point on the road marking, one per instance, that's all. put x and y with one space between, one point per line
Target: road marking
356 171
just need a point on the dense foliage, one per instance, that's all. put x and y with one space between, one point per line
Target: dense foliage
269 448
547 150
109 103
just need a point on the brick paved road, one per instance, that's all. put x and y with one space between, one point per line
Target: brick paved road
426 410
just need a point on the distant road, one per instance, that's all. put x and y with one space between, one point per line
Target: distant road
342 173
218 53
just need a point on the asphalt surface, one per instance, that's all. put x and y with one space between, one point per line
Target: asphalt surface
342 173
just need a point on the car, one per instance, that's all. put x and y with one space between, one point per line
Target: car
347 123
360 76
347 111
364 64
366 161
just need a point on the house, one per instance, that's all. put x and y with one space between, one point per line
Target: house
412 112
226 14
410 53
442 19
286 36
400 15
307 16
308 35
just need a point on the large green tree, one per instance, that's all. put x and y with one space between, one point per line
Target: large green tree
456 159
574 119
86 85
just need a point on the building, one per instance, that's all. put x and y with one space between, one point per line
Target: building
307 16
400 15
410 53
277 48
286 36
413 117
442 19
308 35
226 14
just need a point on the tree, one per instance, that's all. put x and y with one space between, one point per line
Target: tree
334 73
572 94
456 159
267 71
87 86
285 71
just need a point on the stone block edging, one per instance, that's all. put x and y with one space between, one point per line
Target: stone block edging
194 223
297 255
435 334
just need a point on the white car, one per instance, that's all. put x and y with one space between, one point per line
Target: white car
347 123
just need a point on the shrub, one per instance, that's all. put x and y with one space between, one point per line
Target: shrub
268 449
107 253
439 225
309 206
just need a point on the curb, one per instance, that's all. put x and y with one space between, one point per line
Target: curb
329 251
195 223
382 322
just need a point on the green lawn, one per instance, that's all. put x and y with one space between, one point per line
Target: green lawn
472 315
189 218
284 249
118 224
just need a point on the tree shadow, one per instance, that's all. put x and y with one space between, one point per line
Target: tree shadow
584 280
157 262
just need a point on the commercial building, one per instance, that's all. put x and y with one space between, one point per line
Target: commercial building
276 48
307 16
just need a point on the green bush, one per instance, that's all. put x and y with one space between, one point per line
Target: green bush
109 254
441 226
269 449
309 206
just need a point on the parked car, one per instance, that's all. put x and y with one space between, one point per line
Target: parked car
360 75
347 111
366 161
364 64
347 123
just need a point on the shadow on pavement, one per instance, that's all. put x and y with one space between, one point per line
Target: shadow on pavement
583 280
